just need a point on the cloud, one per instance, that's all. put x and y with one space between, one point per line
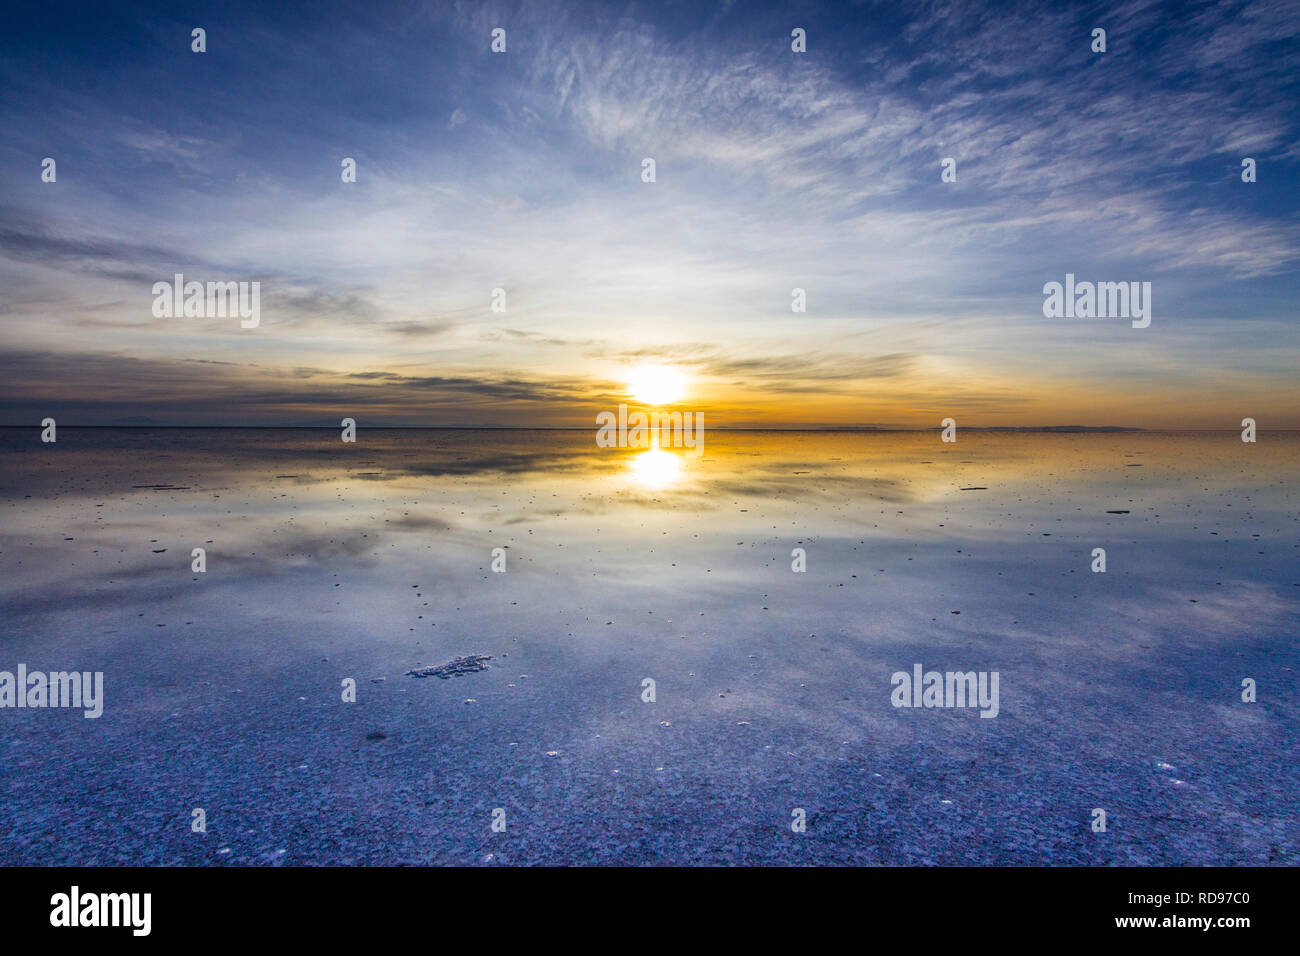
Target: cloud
100 388
775 171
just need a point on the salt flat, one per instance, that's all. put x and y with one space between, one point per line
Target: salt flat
223 689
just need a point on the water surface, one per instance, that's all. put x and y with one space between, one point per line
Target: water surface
327 561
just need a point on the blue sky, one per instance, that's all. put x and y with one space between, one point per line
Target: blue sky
774 170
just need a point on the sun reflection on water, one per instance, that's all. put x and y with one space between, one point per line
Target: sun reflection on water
656 468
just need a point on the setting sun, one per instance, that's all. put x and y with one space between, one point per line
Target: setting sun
656 384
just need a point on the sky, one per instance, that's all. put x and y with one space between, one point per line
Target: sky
775 170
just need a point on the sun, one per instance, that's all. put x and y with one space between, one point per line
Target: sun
656 384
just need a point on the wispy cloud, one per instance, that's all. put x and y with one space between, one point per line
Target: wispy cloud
774 171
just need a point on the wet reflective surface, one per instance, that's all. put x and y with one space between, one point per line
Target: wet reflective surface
328 561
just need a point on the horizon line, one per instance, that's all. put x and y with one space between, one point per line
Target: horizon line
1066 429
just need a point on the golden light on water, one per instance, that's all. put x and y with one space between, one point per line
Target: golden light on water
656 468
656 384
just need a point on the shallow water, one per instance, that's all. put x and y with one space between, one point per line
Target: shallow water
1118 690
